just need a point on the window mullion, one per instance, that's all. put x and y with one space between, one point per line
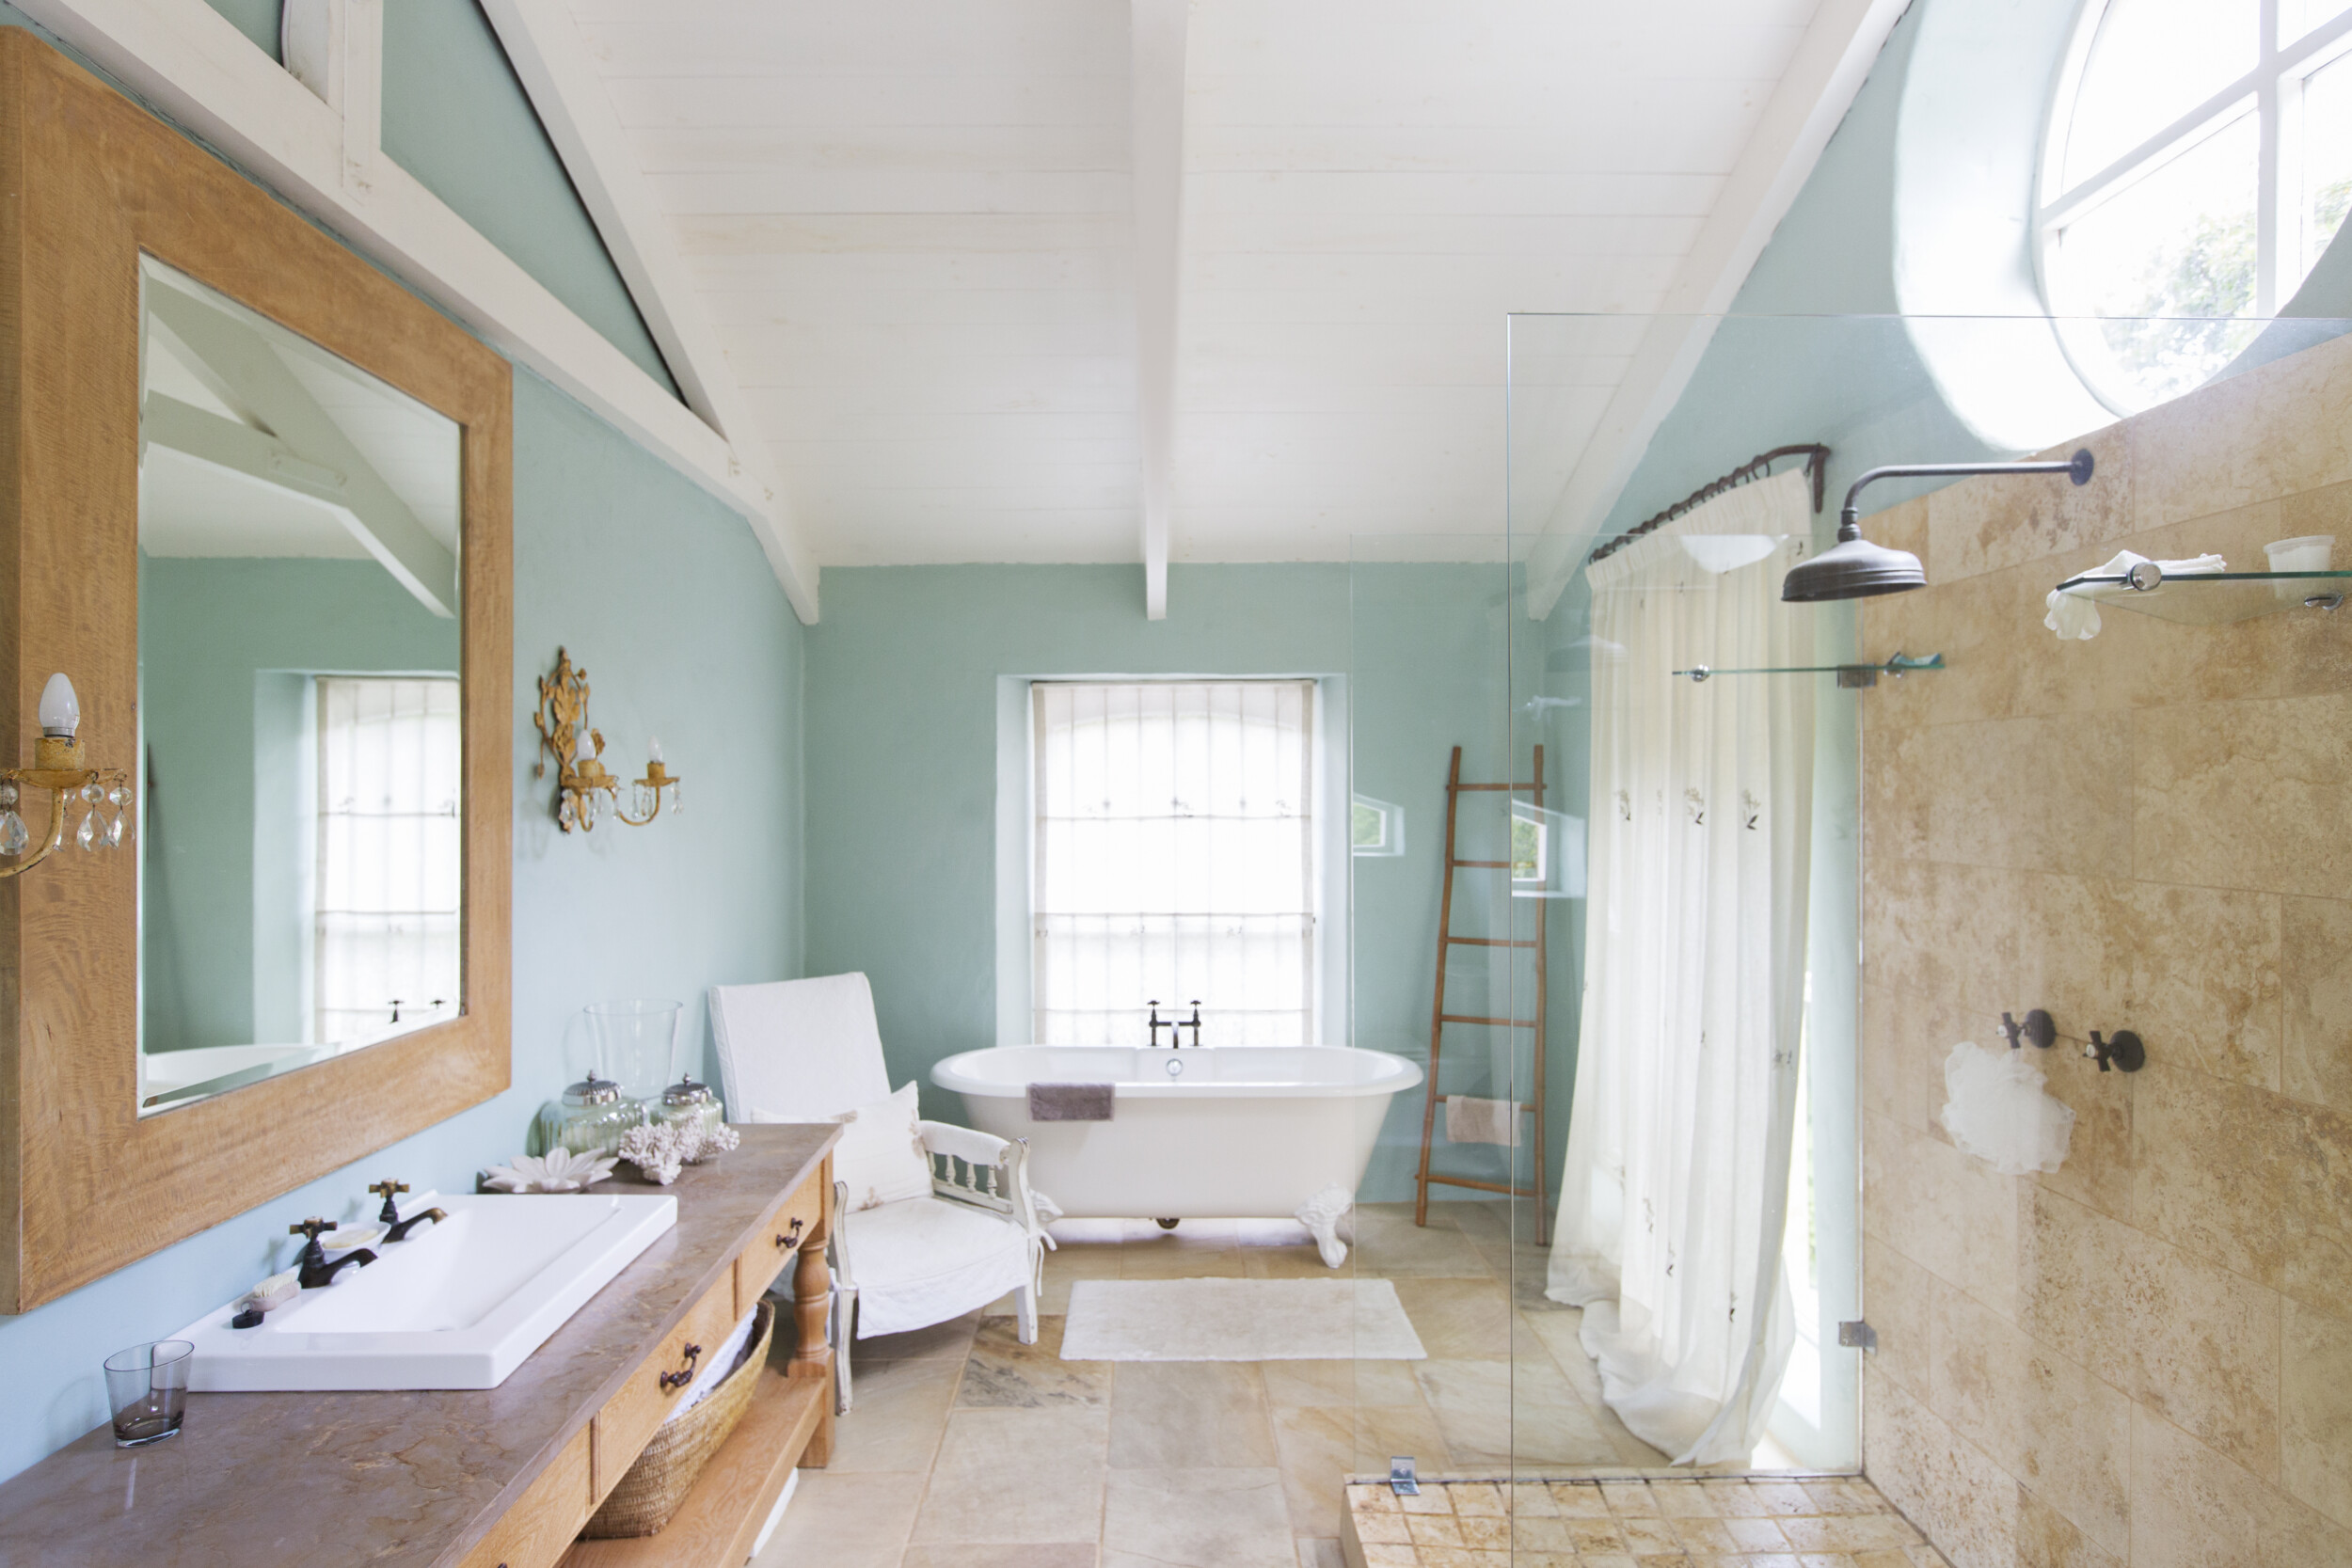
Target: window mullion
2213 115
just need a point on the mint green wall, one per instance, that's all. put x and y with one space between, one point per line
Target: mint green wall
450 97
209 629
901 735
662 592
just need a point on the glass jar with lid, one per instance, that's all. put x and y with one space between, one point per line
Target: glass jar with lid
693 1104
593 1118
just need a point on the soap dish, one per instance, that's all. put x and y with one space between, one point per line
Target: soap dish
344 1241
273 1293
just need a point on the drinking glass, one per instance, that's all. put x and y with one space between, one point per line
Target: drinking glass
147 1388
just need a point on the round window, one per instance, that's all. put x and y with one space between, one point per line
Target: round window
2199 159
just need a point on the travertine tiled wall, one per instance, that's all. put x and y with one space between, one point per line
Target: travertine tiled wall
2145 1358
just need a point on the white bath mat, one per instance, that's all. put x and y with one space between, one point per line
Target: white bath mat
1238 1320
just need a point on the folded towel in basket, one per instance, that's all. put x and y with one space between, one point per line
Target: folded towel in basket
1070 1101
1472 1120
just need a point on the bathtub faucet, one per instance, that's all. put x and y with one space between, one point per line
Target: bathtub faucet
1192 1022
1159 1023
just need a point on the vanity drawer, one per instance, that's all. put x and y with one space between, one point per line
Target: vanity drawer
538 1529
632 1415
778 1243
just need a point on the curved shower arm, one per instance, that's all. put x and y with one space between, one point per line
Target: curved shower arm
2077 468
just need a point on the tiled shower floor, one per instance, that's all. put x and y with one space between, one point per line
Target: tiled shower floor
1621 1523
968 1449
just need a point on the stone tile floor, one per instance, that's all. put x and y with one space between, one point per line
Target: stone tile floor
967 1448
1631 1522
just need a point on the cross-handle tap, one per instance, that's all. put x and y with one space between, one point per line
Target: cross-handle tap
1159 1023
316 1270
2038 1028
388 1214
2123 1053
1192 1022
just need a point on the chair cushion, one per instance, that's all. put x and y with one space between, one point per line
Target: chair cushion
881 1154
928 1259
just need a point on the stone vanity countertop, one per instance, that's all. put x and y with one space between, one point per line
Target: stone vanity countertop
392 1479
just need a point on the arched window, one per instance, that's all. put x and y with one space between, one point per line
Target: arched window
2197 159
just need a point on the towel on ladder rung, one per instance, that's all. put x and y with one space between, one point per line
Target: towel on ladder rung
1472 1120
1070 1101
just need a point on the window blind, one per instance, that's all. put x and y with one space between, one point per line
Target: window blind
1174 858
389 854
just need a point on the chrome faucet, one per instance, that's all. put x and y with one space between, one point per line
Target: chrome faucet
316 1270
1159 1023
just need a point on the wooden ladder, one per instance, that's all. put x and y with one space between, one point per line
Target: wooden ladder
1439 1018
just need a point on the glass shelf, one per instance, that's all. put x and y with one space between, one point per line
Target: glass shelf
1851 675
2215 598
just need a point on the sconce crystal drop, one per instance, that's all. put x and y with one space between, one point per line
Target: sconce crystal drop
87 835
15 838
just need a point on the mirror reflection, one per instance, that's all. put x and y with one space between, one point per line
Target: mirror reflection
300 837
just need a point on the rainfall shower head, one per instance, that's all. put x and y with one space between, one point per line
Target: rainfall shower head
1853 568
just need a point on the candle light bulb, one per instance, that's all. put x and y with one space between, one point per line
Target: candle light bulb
61 709
653 747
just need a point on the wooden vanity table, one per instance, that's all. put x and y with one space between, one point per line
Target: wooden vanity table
481 1477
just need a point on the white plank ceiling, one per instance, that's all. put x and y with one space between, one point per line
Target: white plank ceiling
909 221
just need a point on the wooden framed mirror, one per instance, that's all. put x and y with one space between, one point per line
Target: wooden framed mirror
203 395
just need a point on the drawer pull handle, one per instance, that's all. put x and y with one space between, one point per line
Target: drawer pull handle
785 1244
679 1380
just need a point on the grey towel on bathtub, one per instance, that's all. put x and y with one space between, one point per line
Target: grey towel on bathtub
1070 1101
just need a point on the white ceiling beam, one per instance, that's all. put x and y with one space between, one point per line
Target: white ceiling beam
240 368
262 461
234 448
194 65
1840 45
561 78
1155 150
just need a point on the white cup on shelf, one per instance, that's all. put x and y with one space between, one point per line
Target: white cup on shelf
2310 553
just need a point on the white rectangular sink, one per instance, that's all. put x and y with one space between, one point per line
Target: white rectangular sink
459 1305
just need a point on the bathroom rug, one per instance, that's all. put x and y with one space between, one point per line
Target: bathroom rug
1238 1320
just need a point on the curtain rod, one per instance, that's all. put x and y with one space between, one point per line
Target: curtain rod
1816 461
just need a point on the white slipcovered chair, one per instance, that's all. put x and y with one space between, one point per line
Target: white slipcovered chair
805 1050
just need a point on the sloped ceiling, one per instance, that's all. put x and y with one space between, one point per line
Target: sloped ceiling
909 224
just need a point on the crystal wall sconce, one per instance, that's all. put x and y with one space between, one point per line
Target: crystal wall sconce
586 791
57 768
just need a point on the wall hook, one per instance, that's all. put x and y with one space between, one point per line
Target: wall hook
2123 1053
2039 1027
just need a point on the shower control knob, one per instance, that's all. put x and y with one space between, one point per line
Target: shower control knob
2123 1053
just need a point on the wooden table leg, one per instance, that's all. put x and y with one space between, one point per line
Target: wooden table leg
812 1298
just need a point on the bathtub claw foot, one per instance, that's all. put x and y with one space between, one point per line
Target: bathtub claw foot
1326 1215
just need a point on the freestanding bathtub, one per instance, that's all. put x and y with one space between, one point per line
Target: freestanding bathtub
1215 1132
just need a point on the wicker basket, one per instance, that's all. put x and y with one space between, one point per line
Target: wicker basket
671 1461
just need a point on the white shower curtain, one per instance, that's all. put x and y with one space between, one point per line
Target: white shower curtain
1675 1197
